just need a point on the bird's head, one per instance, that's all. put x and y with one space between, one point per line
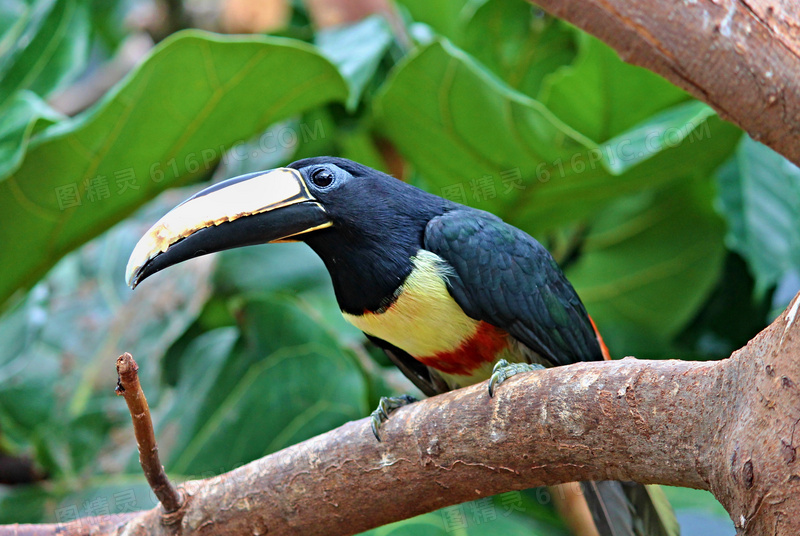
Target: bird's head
353 216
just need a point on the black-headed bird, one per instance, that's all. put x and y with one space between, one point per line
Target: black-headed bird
453 294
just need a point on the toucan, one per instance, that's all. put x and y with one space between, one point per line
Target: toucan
452 294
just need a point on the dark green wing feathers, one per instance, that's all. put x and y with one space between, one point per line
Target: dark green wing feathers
506 278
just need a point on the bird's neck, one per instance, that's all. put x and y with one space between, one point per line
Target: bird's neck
366 272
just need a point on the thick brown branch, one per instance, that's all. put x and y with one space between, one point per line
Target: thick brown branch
590 421
130 388
730 427
740 56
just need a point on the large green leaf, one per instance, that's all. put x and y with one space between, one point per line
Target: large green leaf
602 96
288 380
647 265
479 142
57 367
456 122
517 41
271 268
168 122
200 368
760 198
49 49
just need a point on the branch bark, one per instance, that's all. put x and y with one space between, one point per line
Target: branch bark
742 57
730 427
128 386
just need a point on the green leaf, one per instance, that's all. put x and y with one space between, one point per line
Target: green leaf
28 369
515 512
267 150
50 52
647 265
455 121
670 128
13 15
760 199
602 96
320 120
359 144
110 494
108 21
699 512
201 366
476 141
517 41
442 15
169 122
288 398
22 504
694 499
270 268
356 50
731 316
289 375
25 115
56 371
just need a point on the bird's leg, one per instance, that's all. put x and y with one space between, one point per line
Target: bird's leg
503 370
387 405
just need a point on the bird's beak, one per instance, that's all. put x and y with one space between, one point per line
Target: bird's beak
258 208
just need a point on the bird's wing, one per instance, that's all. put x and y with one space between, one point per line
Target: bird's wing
506 278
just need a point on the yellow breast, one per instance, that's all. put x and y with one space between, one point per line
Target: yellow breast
424 320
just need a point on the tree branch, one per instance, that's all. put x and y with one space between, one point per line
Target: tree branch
129 387
742 57
726 426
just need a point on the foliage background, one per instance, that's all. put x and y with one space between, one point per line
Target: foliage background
678 231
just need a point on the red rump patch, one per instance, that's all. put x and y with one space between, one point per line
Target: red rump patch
483 347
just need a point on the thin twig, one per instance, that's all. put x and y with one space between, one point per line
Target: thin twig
129 387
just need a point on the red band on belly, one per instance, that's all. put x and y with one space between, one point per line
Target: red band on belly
483 347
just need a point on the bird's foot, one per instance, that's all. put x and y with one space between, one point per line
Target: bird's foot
503 370
387 405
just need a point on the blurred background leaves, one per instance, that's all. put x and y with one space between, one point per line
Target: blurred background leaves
678 231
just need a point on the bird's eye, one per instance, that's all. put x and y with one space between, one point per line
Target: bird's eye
322 177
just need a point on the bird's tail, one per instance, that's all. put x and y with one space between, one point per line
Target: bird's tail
600 341
630 509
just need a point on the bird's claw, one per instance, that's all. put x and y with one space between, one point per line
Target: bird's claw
387 405
503 370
